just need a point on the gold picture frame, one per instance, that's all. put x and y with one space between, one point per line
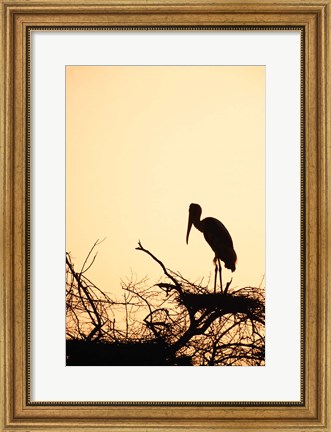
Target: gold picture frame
17 412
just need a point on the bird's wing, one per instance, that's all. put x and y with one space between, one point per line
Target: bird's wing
216 234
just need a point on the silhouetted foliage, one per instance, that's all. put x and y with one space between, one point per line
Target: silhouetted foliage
173 322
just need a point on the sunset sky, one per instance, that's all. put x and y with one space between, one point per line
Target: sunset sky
142 143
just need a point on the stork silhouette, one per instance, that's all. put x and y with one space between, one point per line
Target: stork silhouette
218 238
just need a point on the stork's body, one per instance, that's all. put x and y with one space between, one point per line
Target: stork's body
218 238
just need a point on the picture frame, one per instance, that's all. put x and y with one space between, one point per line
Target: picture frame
17 412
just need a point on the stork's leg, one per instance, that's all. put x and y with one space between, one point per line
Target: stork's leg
220 272
215 277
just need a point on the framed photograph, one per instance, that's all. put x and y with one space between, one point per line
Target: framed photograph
166 198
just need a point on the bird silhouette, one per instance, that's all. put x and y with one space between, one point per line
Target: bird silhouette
218 238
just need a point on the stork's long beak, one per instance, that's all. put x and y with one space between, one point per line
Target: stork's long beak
189 226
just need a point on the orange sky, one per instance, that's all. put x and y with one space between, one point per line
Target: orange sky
142 143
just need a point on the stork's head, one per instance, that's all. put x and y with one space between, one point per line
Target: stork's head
193 217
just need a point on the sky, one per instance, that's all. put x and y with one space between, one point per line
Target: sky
142 143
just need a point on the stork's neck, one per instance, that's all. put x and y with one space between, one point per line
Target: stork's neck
197 223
